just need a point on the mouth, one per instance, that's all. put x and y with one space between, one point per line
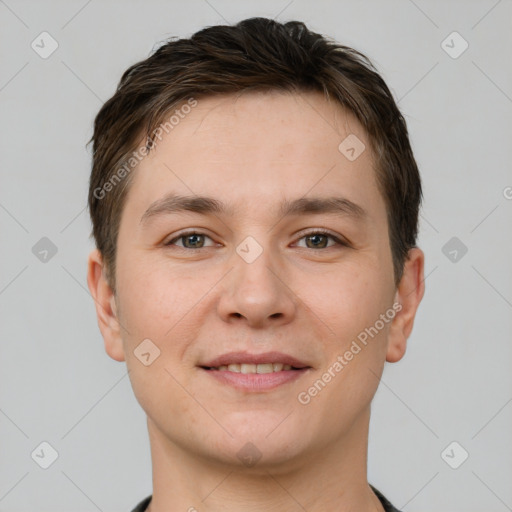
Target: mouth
247 368
255 372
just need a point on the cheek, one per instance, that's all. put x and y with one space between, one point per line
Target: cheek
167 306
346 300
361 312
152 299
156 306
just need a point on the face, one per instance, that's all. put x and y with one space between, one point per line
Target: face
280 273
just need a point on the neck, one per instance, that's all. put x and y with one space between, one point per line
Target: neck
333 478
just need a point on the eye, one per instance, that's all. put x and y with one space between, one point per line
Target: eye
319 239
190 240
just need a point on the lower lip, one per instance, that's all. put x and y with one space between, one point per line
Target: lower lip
256 381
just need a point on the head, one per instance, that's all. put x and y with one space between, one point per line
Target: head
252 136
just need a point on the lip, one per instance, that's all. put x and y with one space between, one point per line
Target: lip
246 357
255 382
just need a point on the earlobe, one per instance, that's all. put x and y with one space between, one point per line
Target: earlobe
105 303
409 293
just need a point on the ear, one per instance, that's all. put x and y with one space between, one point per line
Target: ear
408 295
106 309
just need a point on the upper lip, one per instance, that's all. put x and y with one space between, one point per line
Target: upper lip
246 357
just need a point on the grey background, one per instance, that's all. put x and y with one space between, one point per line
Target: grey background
454 384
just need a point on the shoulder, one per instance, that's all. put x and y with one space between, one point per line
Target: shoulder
388 507
143 505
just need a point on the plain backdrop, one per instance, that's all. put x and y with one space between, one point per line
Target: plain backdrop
58 386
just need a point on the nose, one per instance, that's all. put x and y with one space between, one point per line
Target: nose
257 293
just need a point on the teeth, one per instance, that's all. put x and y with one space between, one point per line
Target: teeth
254 368
247 368
264 368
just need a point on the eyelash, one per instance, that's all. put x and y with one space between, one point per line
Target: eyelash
318 231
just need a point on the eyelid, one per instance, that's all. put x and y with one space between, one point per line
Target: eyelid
185 233
326 232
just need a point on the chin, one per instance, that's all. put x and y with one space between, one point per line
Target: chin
262 440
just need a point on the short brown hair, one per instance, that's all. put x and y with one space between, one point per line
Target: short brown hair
255 54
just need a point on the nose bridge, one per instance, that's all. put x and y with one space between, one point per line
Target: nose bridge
255 289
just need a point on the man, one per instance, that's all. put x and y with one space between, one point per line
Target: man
254 201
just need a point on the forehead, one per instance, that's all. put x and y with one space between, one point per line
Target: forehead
254 149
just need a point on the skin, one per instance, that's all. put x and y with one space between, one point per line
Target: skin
252 151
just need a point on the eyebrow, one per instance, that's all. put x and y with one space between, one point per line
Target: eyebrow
173 203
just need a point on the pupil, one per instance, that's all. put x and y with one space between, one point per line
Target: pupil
316 237
193 239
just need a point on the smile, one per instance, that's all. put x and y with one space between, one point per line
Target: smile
254 368
254 372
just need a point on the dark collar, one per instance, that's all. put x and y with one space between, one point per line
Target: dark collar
388 507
